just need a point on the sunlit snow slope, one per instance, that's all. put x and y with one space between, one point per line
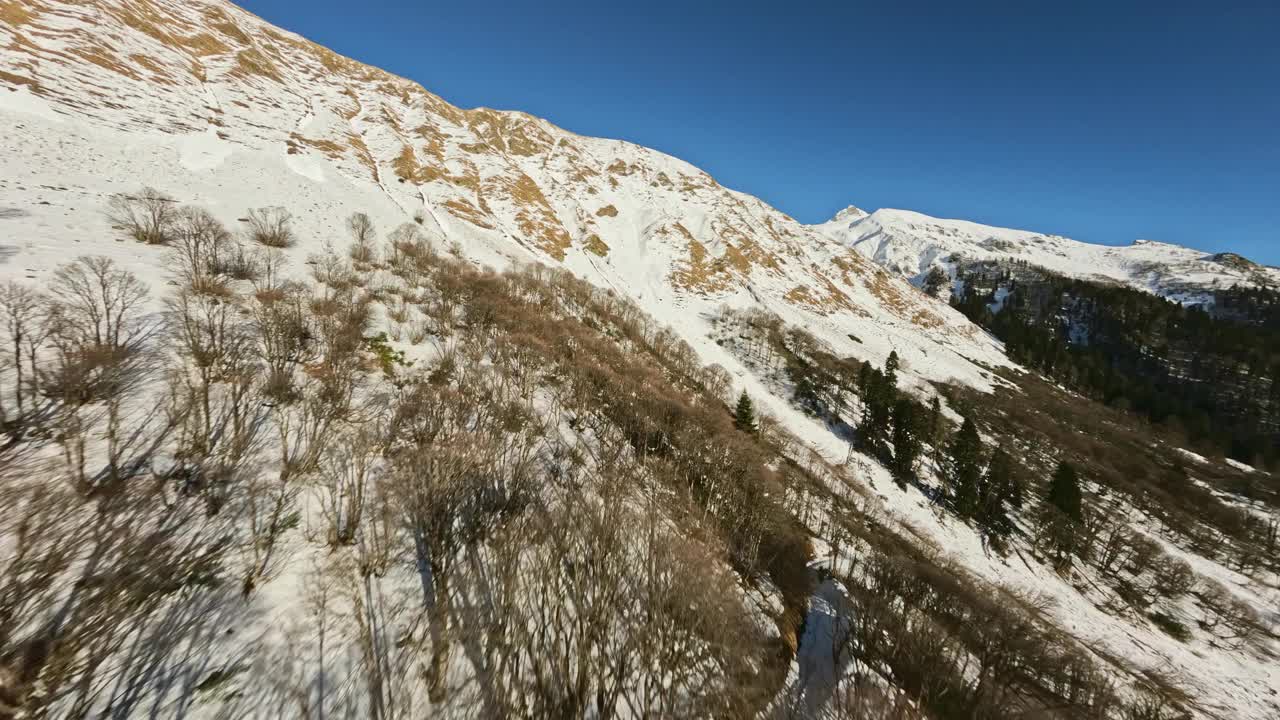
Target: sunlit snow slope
910 243
210 104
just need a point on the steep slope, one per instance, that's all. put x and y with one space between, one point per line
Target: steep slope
223 111
911 243
209 103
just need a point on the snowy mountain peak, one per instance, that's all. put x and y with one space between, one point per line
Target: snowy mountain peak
849 214
910 243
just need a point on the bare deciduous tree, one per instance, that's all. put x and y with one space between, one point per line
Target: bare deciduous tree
347 468
214 381
201 250
271 226
101 301
269 270
363 236
148 216
97 334
1230 619
22 309
286 337
403 240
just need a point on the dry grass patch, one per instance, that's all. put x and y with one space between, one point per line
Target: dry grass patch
536 218
219 21
203 44
104 59
12 79
16 13
464 210
252 63
331 148
597 246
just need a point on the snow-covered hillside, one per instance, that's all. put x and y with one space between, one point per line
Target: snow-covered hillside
222 111
212 105
911 243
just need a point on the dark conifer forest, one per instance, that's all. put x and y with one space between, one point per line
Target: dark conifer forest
1210 370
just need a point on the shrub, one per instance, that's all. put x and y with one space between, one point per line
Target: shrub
240 265
388 357
1175 628
148 217
363 254
270 226
1173 577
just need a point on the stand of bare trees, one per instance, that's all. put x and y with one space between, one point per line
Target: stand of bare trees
543 509
104 577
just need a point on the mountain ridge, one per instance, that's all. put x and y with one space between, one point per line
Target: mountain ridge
176 49
221 87
911 243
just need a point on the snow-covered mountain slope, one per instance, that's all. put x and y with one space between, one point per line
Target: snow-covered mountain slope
911 243
210 104
219 109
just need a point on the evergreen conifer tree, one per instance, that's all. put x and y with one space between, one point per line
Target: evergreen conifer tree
1062 515
1000 491
935 418
965 468
936 431
864 377
877 411
1064 492
906 440
744 415
935 281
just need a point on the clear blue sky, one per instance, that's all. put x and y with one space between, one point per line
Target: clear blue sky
1104 121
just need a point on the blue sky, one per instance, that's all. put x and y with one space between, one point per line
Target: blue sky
1106 122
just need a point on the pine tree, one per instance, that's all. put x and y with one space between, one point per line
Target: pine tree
806 392
891 369
864 377
744 416
878 399
936 431
935 418
935 281
1175 478
1062 515
1000 491
906 440
1064 492
966 468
